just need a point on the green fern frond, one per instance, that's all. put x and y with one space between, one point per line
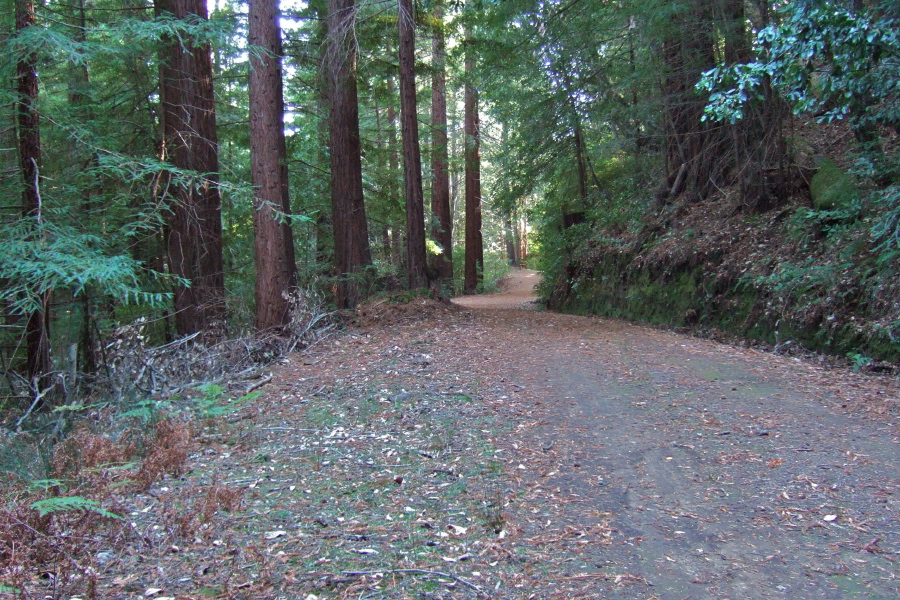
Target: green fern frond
66 503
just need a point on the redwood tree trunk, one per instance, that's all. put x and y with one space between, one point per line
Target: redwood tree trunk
398 257
189 143
37 329
276 270
351 239
442 229
474 264
693 158
416 267
580 160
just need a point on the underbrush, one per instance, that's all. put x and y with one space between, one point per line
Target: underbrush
54 532
70 462
795 278
354 488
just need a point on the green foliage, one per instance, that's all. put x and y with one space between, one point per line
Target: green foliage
823 59
831 188
807 282
886 231
858 360
110 39
36 258
147 410
67 503
214 404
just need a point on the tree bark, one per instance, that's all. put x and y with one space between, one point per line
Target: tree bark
578 140
398 257
79 86
37 329
442 229
351 239
691 146
734 28
189 143
416 266
474 262
276 270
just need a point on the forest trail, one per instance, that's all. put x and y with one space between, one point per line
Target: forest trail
491 450
716 472
517 291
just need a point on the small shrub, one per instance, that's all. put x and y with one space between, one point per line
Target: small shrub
214 404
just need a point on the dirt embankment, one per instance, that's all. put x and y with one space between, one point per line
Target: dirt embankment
795 278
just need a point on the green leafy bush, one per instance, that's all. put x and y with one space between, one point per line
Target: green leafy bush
214 404
823 59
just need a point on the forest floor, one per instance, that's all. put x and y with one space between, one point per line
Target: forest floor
487 449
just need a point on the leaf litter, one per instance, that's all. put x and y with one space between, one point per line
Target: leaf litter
440 453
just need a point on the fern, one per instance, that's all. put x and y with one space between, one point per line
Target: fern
213 404
46 484
67 503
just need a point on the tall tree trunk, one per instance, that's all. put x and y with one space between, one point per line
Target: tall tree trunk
397 255
442 229
276 270
189 143
693 158
37 329
351 239
416 267
581 161
455 141
735 34
474 263
760 151
79 85
522 232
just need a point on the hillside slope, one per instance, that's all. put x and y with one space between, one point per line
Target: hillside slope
806 274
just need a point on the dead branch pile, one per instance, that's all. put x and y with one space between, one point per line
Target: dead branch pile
132 366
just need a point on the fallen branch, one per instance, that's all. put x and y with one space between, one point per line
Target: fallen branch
37 398
259 384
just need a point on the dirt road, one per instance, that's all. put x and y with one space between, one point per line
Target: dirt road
491 450
664 466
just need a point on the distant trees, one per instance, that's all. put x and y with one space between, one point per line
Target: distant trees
164 182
